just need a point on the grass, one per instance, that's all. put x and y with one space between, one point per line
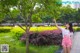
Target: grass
44 49
34 49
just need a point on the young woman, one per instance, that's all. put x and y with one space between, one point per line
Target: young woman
67 33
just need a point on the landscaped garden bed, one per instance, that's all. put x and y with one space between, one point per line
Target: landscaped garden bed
45 41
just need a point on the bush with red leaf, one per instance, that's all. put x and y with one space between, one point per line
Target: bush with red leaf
52 37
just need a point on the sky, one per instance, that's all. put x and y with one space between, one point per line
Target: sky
71 2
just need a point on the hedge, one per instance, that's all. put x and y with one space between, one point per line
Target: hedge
51 37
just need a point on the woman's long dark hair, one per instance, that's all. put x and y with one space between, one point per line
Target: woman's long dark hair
71 27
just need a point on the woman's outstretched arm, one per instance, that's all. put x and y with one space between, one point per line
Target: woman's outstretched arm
56 24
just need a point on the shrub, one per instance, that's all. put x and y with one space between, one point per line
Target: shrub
78 29
4 30
17 36
17 32
45 37
42 28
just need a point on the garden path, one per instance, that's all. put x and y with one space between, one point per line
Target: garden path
76 43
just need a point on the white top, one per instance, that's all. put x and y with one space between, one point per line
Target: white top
66 32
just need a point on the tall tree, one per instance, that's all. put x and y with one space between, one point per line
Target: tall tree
67 14
27 8
77 16
51 7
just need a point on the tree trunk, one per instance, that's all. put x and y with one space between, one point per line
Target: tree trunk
29 24
78 24
27 39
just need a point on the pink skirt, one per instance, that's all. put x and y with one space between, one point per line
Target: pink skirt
66 42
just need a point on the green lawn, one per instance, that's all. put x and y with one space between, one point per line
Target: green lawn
34 49
16 46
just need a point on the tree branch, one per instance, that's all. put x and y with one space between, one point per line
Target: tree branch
21 27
